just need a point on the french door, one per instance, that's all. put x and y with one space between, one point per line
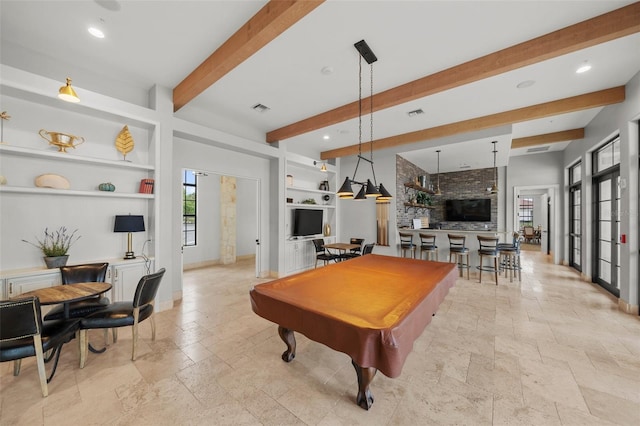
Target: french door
607 231
575 200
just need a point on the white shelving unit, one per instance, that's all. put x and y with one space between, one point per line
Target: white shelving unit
302 182
32 103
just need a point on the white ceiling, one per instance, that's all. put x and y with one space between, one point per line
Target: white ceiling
161 42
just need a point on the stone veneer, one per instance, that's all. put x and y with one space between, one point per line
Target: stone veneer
227 220
454 185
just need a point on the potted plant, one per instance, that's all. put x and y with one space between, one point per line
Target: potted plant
55 246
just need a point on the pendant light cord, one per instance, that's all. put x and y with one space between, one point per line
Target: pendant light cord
373 170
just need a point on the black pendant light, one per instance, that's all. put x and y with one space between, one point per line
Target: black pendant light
437 191
368 189
494 187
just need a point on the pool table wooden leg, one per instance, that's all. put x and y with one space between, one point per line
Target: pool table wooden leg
365 376
289 339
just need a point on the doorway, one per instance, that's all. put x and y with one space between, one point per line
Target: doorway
224 222
606 231
544 216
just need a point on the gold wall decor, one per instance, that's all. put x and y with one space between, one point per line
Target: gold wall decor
61 140
124 142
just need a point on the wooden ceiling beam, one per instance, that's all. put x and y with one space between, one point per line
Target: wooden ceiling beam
603 28
272 20
562 106
547 138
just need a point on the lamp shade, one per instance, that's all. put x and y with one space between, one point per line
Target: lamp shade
384 194
345 190
361 194
129 223
66 93
372 191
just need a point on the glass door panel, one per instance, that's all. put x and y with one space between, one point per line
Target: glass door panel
607 229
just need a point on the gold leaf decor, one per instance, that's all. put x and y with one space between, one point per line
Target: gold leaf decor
124 142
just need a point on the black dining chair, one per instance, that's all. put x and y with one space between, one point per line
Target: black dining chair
354 252
322 253
23 334
90 272
368 249
123 314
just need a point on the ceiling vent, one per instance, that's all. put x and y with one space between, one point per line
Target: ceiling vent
260 108
415 112
538 149
465 166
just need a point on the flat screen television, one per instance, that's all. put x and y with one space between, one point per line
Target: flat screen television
468 210
307 222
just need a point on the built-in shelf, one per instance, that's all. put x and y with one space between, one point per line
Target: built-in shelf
411 185
67 192
316 191
311 206
416 206
61 156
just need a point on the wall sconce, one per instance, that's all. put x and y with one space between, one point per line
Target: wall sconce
129 223
66 93
323 167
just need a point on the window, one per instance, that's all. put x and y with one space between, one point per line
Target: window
189 208
575 222
525 212
607 156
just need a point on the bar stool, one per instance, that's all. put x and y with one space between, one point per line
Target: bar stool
459 251
510 257
428 246
488 249
406 243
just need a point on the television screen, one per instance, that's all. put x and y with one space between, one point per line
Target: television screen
307 222
468 210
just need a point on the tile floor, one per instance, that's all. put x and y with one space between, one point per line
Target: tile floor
552 350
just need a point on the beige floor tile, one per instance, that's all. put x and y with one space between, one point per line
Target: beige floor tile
549 350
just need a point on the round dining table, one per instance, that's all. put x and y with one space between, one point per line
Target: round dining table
68 293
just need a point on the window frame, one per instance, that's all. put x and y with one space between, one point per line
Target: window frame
189 186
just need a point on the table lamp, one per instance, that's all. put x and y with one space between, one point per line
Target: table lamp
129 223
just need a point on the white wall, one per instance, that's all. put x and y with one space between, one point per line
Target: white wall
623 119
358 218
246 211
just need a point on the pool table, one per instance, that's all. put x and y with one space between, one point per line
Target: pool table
371 308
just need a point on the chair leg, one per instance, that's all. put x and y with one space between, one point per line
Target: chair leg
495 267
16 366
83 346
136 313
37 343
114 333
153 327
480 269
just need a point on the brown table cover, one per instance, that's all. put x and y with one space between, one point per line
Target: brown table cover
371 308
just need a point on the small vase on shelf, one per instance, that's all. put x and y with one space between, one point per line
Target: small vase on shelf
327 229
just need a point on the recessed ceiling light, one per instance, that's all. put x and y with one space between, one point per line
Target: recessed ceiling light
326 137
583 68
96 32
525 84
